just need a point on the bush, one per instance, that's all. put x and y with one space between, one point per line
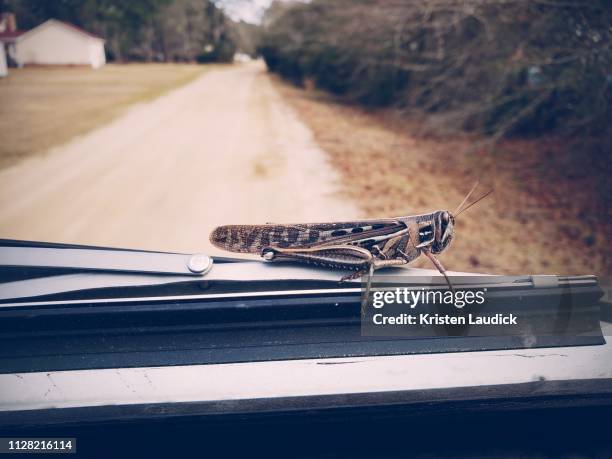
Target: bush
522 67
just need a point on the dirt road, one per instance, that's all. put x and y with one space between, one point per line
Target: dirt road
222 149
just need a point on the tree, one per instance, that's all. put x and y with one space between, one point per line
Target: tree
498 67
170 30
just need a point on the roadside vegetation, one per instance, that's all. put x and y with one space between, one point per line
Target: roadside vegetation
422 98
46 106
520 68
541 219
147 30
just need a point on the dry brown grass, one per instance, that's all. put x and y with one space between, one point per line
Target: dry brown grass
541 219
42 107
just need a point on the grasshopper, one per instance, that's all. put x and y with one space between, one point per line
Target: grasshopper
360 246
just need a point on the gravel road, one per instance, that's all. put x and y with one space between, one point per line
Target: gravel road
223 149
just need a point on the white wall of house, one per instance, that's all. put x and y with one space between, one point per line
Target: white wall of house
3 66
54 43
96 54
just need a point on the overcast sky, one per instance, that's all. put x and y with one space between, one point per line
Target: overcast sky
246 10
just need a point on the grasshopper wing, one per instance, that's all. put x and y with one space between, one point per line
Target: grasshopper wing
253 238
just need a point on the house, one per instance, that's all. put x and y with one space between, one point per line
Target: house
59 43
52 43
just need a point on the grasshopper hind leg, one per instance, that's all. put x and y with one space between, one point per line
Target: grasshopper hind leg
355 275
373 265
332 256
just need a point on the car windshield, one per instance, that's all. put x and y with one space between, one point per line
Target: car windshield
292 112
220 190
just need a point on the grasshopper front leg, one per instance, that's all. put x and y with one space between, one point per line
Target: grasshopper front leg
440 268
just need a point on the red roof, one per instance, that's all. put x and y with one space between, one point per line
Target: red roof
14 34
10 35
78 29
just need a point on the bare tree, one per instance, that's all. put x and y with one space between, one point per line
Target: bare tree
499 66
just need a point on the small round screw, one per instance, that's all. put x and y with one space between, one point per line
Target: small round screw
198 263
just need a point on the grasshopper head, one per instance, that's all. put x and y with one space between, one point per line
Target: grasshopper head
444 230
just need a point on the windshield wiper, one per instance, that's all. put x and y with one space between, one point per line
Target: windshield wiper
91 259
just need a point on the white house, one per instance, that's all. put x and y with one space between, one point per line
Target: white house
3 64
58 43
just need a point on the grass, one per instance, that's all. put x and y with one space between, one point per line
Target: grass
43 107
545 217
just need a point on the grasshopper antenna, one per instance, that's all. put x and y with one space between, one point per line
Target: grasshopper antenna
475 202
467 196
